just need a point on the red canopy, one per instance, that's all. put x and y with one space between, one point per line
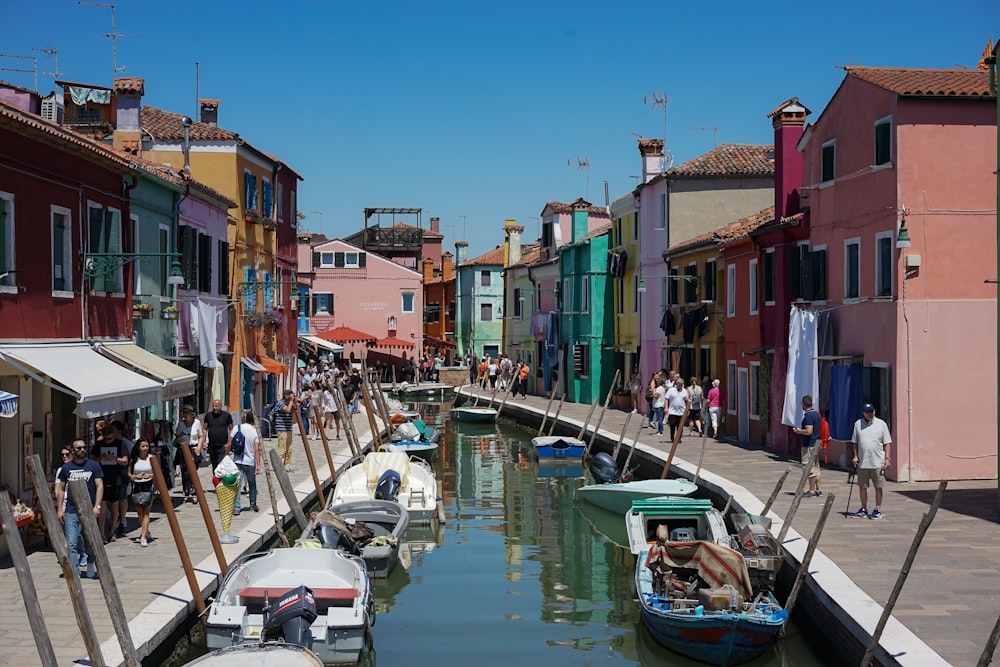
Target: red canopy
391 342
346 335
437 342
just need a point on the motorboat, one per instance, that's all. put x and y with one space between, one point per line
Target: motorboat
558 447
266 654
317 598
372 529
424 450
414 429
687 520
425 389
618 497
473 414
384 475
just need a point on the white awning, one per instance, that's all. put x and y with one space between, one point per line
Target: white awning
177 381
252 364
316 340
99 385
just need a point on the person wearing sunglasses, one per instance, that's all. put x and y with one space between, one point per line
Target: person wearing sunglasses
82 468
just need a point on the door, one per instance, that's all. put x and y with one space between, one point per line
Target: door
743 402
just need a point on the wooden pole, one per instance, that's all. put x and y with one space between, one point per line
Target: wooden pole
555 417
372 424
309 458
797 500
621 437
506 395
81 498
347 422
61 548
286 488
677 440
175 530
206 513
776 491
266 465
807 558
548 406
326 443
393 377
635 443
600 418
583 428
701 457
991 646
904 572
28 591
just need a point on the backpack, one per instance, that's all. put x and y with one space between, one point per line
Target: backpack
824 436
239 443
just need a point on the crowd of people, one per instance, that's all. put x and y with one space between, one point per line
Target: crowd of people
669 396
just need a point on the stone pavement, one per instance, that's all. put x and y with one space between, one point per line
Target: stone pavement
951 599
151 581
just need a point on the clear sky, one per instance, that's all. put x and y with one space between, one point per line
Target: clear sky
481 111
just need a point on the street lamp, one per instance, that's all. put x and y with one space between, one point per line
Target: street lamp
903 239
176 276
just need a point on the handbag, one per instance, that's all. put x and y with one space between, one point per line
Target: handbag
142 498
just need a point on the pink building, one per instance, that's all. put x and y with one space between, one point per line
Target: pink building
916 314
353 288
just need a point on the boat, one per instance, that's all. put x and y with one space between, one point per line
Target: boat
425 389
721 623
558 447
618 497
335 528
424 450
414 429
687 519
384 475
317 598
473 414
265 654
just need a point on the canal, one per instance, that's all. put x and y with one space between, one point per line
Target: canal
518 575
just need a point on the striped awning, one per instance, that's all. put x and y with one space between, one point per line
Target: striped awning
8 404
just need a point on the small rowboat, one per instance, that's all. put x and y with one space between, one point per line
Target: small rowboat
558 447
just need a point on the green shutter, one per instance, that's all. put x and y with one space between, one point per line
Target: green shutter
317 259
362 259
338 260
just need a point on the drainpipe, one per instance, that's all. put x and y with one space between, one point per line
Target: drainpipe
83 254
129 183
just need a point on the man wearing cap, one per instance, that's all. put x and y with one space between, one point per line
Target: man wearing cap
282 417
872 443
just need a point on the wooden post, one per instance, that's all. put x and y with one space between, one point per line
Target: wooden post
206 513
347 422
28 591
555 417
991 646
600 418
904 572
677 440
61 548
326 443
286 488
583 428
548 406
266 465
807 558
309 458
777 489
175 530
635 443
393 367
621 437
506 395
372 424
81 498
797 500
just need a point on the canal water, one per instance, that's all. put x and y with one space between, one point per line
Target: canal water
518 575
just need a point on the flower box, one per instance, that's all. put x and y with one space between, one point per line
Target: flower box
251 216
142 311
168 314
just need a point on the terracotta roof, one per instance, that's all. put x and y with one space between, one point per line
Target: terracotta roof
209 102
561 207
10 115
212 192
492 258
790 101
427 232
166 125
130 84
734 231
529 254
728 160
926 82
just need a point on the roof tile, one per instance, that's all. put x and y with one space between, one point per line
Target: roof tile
166 125
729 160
926 82
734 231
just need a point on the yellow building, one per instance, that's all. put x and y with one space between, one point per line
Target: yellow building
627 281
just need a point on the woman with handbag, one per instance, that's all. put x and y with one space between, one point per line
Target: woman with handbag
140 471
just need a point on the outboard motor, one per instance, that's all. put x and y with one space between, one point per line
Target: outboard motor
388 485
333 537
603 468
290 618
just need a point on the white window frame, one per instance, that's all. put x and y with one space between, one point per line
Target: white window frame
856 240
754 287
730 290
661 222
885 120
730 387
402 300
323 264
321 313
753 392
8 198
348 264
891 235
585 294
67 264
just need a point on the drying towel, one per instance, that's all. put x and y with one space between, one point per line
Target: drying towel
802 376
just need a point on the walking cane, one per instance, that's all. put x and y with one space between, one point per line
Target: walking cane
850 479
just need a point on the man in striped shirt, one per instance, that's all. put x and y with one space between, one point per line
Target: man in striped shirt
282 420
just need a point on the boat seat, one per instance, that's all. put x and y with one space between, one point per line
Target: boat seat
252 597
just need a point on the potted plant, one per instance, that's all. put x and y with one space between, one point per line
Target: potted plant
269 224
170 312
621 398
253 320
251 215
142 311
274 318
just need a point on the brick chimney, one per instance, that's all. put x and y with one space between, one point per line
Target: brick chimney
461 252
788 121
513 232
128 92
447 267
651 151
428 267
436 225
209 112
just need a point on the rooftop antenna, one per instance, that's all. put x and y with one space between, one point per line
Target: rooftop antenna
55 74
658 100
33 70
582 164
715 134
113 36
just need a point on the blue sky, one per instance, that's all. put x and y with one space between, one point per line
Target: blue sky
477 112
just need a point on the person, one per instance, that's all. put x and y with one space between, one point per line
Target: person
118 429
66 456
355 381
714 400
634 388
493 370
219 427
483 366
809 431
189 433
659 402
80 467
281 420
872 445
522 379
140 472
677 402
506 371
329 404
347 387
473 365
438 365
651 393
111 455
696 396
248 462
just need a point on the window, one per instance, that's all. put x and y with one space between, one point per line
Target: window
709 280
322 304
754 305
204 263
249 191
343 260
547 236
250 298
705 361
635 227
567 295
62 255
187 243
486 312
163 243
585 294
730 388
768 276
665 296
518 305
883 264
280 202
731 290
223 264
618 240
796 257
293 214
326 259
877 389
136 247
485 278
408 302
7 242
268 299
581 360
691 283
829 167
392 323
661 222
267 210
105 234
883 141
674 289
814 275
852 268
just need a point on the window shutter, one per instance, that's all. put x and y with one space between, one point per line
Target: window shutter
204 263
186 244
223 264
338 260
250 300
268 200
317 259
268 291
329 303
362 259
795 272
820 271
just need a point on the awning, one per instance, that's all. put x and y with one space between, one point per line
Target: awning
252 364
99 385
272 366
346 335
437 342
8 404
177 382
319 342
392 342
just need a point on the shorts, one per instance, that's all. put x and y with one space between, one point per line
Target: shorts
874 475
123 491
333 415
806 453
112 492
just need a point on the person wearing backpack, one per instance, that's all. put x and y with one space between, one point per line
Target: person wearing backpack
244 445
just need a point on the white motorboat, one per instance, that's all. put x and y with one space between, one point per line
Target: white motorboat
336 528
473 414
262 598
617 497
267 654
410 481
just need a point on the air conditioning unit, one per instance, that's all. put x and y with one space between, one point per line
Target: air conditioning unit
53 109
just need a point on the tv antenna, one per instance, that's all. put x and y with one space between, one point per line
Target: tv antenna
33 70
113 36
658 100
715 134
582 164
55 56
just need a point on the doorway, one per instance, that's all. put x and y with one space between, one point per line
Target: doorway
743 403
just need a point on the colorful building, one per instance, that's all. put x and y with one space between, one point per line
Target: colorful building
623 270
479 298
439 311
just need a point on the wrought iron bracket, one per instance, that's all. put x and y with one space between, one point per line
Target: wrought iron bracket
104 263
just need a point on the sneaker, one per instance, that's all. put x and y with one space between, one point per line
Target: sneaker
875 515
143 542
236 512
817 494
255 508
860 514
808 494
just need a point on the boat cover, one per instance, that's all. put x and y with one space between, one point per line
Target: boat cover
716 564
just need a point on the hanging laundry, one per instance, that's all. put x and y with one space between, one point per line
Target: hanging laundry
667 323
622 263
845 400
688 322
802 376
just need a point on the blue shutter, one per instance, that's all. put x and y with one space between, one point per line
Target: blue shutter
268 292
250 300
268 200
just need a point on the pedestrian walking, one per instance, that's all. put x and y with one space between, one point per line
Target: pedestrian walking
659 402
677 402
714 399
809 432
696 397
219 428
282 420
140 472
80 467
247 459
872 445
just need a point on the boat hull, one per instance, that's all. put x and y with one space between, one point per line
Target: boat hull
618 498
418 493
424 450
473 415
387 519
558 447
267 654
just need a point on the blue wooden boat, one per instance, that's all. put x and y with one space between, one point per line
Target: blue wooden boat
558 447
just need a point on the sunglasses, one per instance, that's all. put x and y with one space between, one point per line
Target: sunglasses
65 453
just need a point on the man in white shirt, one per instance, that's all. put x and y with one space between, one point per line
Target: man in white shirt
872 444
677 402
249 461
